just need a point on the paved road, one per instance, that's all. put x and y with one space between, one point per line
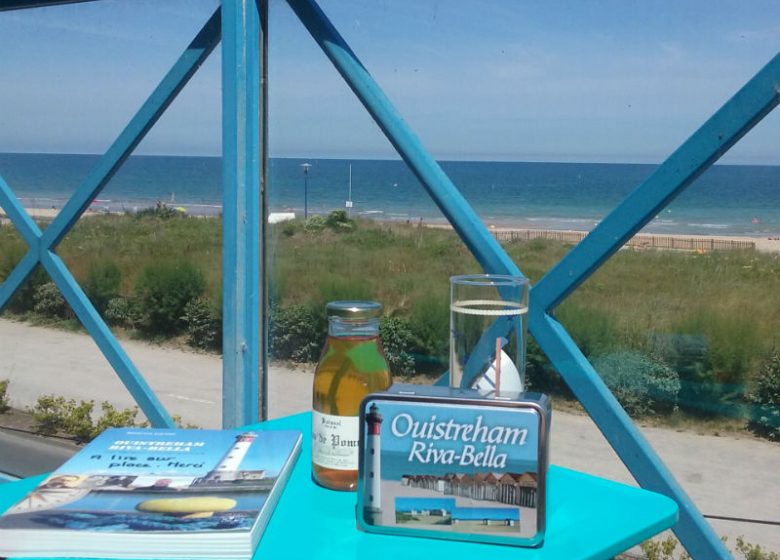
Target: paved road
726 476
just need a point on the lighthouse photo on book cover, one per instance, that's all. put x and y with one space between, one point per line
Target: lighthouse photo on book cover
456 469
169 481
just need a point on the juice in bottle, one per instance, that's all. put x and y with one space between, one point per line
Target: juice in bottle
352 365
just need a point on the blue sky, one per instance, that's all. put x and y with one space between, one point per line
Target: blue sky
607 80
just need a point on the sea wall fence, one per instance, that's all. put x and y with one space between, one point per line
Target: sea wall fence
639 241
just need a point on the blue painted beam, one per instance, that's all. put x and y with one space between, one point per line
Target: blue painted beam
18 275
31 234
747 107
241 154
43 244
27 228
163 95
101 334
488 252
619 430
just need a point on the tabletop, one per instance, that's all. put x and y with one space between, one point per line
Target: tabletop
587 518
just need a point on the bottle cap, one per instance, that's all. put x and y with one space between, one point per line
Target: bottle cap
354 310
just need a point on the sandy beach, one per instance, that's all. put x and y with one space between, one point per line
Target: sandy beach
700 243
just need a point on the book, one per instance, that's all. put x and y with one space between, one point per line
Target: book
156 493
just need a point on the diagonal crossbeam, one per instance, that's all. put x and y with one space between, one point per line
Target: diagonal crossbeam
715 137
42 245
724 129
747 107
486 249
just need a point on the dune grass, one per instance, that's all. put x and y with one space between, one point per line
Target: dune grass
727 303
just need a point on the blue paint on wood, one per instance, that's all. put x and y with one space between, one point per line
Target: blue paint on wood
241 152
43 244
746 108
104 338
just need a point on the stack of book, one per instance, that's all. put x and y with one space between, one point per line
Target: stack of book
156 493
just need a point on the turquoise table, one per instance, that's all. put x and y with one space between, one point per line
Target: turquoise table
587 517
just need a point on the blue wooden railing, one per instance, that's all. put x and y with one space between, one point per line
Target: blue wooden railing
239 23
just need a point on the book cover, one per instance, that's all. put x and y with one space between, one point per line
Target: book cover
155 493
459 471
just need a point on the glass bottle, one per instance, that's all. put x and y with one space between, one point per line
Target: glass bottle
352 365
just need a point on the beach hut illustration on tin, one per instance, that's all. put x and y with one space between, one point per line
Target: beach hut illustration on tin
372 480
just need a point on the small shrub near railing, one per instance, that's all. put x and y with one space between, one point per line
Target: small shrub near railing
48 301
4 404
764 416
53 415
666 549
121 312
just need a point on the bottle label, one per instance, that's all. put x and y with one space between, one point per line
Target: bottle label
334 442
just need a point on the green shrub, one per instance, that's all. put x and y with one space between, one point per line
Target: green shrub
398 342
162 292
24 298
57 415
641 385
120 311
49 414
764 417
662 549
160 211
339 221
4 406
315 224
204 324
48 301
754 551
289 228
78 420
102 284
297 333
113 418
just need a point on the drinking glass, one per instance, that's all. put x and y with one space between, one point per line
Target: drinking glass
488 318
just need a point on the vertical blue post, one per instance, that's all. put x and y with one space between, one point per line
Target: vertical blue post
241 158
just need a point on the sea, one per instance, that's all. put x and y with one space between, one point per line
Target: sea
726 200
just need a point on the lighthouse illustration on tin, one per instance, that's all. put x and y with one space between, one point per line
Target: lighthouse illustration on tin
372 480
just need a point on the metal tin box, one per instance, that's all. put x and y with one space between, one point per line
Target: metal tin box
454 464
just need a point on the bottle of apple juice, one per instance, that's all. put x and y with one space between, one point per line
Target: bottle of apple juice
352 365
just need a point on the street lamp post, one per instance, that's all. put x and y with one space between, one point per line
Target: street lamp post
306 167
